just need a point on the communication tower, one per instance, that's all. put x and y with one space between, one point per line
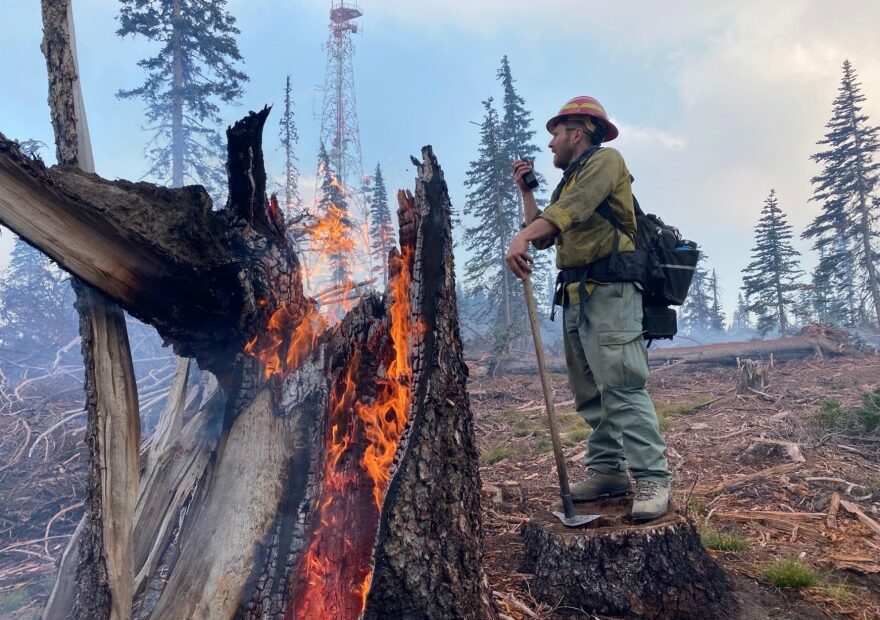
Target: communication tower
339 124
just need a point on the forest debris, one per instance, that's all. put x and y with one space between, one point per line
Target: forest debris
859 568
843 557
791 449
492 494
861 516
781 521
510 599
736 482
832 510
748 515
849 485
515 520
829 340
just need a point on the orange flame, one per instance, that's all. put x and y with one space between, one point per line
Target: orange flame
337 564
332 246
285 343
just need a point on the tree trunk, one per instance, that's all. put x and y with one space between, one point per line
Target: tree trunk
658 571
104 568
178 148
335 472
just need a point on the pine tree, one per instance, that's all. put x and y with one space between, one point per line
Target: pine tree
36 304
696 312
194 70
845 231
515 127
517 141
332 234
770 280
289 139
489 202
740 322
716 312
381 226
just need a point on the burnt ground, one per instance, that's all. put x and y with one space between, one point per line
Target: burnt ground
801 433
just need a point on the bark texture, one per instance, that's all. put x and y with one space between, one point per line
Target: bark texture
205 279
104 571
429 556
656 571
230 508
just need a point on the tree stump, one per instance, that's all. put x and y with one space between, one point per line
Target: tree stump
657 570
333 473
752 376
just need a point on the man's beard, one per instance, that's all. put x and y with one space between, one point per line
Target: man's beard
561 160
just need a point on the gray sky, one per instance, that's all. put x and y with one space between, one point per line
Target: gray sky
717 102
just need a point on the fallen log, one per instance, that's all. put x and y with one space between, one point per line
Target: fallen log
793 347
731 484
807 344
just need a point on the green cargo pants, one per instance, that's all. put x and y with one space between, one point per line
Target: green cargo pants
607 369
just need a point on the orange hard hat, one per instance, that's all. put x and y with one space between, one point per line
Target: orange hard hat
585 106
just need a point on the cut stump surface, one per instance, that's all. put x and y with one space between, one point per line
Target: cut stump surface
615 566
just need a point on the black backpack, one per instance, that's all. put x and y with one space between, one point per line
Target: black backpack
663 263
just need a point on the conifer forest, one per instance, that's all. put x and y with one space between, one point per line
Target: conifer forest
264 352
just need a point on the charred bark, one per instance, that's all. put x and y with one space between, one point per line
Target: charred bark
440 445
231 518
658 571
163 254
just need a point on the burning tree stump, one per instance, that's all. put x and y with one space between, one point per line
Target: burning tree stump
332 473
659 570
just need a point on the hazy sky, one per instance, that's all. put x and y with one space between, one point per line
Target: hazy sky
718 102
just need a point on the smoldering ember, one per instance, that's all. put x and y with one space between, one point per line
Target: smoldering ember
238 388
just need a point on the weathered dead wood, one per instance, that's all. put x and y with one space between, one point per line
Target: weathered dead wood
832 511
113 438
225 515
752 376
762 446
728 352
104 571
787 523
659 570
163 254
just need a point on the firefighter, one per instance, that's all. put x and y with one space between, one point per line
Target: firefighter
605 351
